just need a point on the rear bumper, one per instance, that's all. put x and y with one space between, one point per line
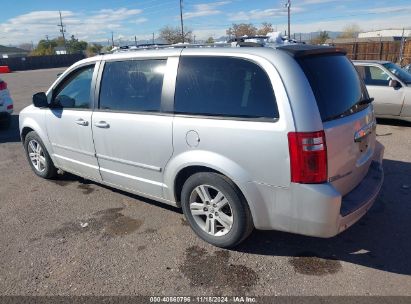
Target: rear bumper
356 203
320 210
4 103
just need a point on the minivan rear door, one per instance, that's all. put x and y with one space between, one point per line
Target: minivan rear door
347 115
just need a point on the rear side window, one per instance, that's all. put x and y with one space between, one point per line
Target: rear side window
133 85
223 86
336 85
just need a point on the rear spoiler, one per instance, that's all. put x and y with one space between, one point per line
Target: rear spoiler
298 51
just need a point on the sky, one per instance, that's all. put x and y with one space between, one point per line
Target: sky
26 21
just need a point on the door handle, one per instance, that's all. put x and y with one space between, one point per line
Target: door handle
102 124
82 122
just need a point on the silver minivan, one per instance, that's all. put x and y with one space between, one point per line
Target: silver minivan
240 138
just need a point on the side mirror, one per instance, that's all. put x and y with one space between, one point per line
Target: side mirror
40 100
394 83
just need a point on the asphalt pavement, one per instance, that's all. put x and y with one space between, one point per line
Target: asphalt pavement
71 236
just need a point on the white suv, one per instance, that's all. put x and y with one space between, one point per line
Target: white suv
6 104
279 139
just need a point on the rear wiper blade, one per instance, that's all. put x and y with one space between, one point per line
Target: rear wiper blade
365 101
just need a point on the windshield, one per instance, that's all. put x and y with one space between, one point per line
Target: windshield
397 71
336 85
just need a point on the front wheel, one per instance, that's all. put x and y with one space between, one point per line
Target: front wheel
38 157
216 210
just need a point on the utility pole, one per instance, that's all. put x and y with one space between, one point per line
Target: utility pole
181 19
112 39
153 38
288 6
194 39
62 31
402 47
135 40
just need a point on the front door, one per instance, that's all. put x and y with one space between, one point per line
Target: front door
69 123
387 100
132 137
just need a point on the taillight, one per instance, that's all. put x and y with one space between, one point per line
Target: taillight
10 107
308 157
3 85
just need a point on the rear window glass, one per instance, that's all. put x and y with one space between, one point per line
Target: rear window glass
224 86
335 84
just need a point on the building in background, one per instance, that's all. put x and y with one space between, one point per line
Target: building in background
395 33
8 52
60 50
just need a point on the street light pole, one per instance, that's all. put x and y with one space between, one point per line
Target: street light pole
288 5
181 19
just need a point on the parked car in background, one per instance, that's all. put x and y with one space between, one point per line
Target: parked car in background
389 85
6 105
240 138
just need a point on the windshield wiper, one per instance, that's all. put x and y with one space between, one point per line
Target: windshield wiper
353 109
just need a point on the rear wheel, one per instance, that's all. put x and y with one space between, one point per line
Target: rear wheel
216 209
38 157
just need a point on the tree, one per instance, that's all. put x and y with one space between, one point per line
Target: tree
44 47
321 38
242 29
350 31
93 49
210 40
173 34
265 29
75 46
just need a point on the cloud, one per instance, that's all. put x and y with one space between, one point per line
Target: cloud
205 9
35 25
311 2
374 23
259 14
387 9
139 20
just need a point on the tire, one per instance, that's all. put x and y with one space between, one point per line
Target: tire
224 219
45 167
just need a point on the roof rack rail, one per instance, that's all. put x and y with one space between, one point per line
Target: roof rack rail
141 47
251 41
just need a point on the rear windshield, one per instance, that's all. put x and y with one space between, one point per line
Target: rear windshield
335 84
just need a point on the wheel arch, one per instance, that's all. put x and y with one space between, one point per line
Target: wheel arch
190 162
24 133
29 124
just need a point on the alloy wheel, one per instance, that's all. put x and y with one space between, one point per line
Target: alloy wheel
36 155
211 210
